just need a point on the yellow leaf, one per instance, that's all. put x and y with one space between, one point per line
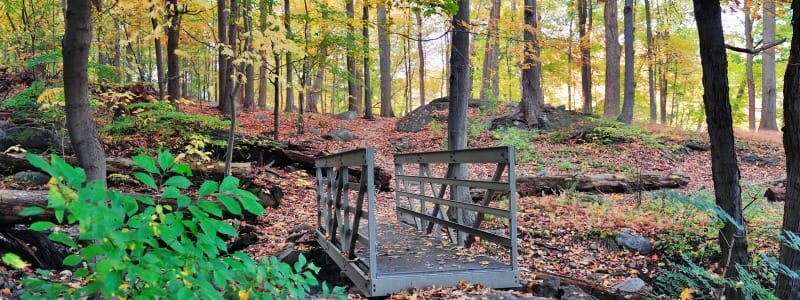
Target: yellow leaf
243 295
687 294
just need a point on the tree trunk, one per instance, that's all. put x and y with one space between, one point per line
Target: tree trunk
353 86
81 126
491 54
651 80
173 40
159 56
532 99
263 68
384 53
230 72
751 87
786 287
725 170
630 82
421 53
315 94
584 15
768 93
663 91
249 88
287 22
367 73
222 60
611 105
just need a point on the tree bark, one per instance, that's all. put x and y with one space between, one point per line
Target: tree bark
630 82
786 287
230 72
353 86
249 88
768 93
222 59
491 55
385 56
173 61
725 170
751 87
159 56
651 80
287 22
367 73
81 126
611 105
532 99
584 15
263 69
421 53
315 94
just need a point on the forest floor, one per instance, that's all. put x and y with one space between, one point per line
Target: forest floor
570 234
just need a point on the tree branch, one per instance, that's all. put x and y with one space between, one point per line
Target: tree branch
758 49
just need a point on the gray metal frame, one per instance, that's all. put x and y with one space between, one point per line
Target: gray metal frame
338 218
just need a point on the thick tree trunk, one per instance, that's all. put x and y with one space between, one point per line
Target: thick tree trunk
230 73
287 22
725 170
81 126
532 98
786 287
384 54
248 102
491 54
768 93
159 56
263 69
353 82
222 60
367 73
421 54
315 94
630 82
651 80
584 17
173 61
611 105
751 87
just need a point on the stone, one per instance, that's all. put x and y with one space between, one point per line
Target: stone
631 285
30 138
288 255
65 273
416 120
549 287
628 238
31 178
348 115
261 116
339 135
572 292
314 131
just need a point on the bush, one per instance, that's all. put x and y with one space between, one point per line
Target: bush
146 248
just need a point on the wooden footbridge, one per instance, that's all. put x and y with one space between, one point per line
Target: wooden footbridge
423 243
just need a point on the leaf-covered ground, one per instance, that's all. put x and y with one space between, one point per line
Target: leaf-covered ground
570 234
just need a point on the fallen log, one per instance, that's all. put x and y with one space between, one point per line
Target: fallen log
12 202
305 155
775 193
603 183
32 246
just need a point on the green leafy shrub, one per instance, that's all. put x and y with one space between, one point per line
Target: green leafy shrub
521 140
168 246
163 120
26 98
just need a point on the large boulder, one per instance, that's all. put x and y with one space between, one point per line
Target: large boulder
30 138
31 178
348 115
628 238
631 285
416 120
339 135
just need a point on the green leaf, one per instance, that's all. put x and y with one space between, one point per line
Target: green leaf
207 188
250 202
178 181
41 226
72 260
170 192
39 162
146 162
210 207
226 228
146 179
145 200
228 184
14 261
73 176
183 201
300 263
230 204
63 238
165 159
31 211
181 169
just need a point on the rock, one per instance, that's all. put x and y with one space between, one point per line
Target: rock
631 285
401 144
416 120
754 159
31 139
572 292
348 115
696 146
339 135
65 273
314 131
628 238
31 178
549 287
288 255
261 116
